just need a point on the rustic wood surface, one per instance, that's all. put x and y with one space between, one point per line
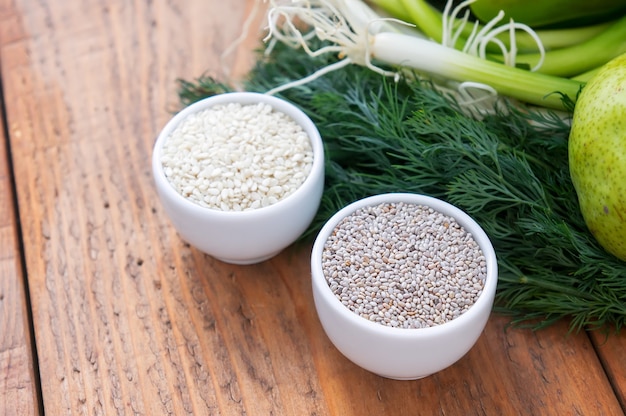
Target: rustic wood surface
18 383
127 318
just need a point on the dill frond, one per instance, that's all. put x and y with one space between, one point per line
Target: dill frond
508 170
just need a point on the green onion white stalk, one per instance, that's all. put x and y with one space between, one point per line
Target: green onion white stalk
353 31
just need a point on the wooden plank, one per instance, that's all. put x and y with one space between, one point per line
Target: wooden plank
129 319
611 348
19 384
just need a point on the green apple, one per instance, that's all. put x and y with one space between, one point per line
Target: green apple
597 155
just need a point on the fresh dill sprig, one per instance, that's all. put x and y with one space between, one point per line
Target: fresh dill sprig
202 87
508 171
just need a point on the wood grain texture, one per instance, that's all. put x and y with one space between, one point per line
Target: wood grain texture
18 380
131 320
611 350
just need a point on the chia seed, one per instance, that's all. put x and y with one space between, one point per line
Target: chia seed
404 265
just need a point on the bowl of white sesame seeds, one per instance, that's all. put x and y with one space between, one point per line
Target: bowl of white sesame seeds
403 283
240 175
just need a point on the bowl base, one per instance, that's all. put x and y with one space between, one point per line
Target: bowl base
244 262
403 378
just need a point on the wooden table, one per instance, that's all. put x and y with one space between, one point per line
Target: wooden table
104 310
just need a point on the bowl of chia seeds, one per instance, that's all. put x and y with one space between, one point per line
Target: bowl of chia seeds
403 283
240 175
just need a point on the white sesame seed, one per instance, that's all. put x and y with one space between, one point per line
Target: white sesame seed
251 156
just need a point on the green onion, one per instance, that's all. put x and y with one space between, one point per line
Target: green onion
583 56
434 59
598 43
358 35
429 20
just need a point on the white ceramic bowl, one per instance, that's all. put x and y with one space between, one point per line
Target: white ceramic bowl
243 237
401 353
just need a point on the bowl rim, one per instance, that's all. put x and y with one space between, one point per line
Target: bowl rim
485 299
278 104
